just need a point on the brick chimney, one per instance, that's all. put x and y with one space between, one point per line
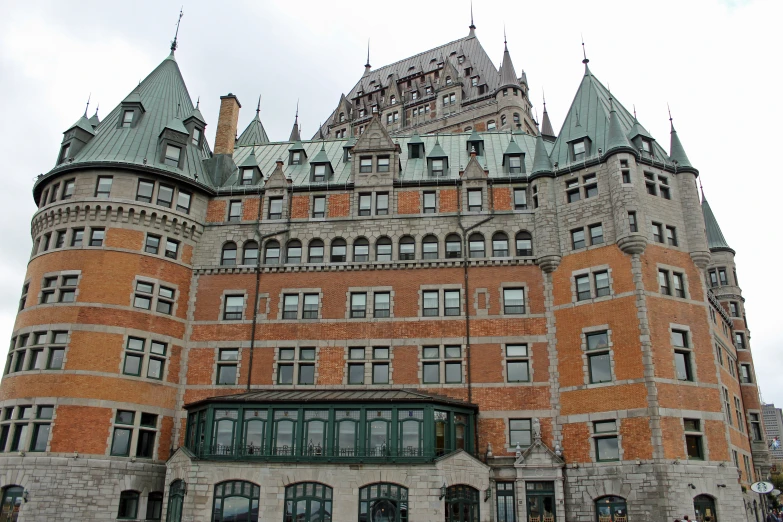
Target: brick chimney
226 134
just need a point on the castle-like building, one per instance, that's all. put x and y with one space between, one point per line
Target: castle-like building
433 311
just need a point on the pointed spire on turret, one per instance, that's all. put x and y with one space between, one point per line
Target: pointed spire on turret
676 150
546 126
541 161
295 136
715 240
174 44
472 26
258 107
508 76
88 104
94 120
615 137
254 134
321 132
367 65
584 53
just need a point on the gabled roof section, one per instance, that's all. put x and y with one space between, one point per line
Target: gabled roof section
715 240
512 148
163 96
84 124
321 157
374 137
437 151
589 116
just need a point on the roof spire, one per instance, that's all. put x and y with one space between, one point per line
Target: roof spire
96 108
176 33
472 26
671 121
88 104
296 132
258 108
505 41
584 53
634 111
367 65
676 150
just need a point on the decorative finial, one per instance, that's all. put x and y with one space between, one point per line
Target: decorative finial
536 115
634 111
505 41
367 65
472 26
671 121
543 95
701 188
258 108
96 108
88 104
584 52
296 118
198 101
176 33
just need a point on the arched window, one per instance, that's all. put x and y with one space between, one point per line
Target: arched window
378 432
339 250
361 250
516 118
272 252
476 247
129 504
293 252
503 120
524 243
315 251
393 99
429 247
224 432
500 245
462 504
383 249
12 503
154 505
411 432
234 501
254 432
612 509
453 246
229 255
347 432
250 253
176 499
383 501
308 501
407 248
704 506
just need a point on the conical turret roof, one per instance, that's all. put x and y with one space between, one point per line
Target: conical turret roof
616 139
677 152
254 134
295 131
508 76
95 121
546 125
715 239
162 96
541 162
84 124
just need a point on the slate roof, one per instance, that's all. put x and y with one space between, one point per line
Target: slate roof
166 102
715 239
327 396
454 146
588 116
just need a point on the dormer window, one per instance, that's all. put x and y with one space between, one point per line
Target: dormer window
515 164
296 158
172 156
578 149
428 90
64 152
647 147
474 81
374 109
448 80
127 119
414 95
437 167
247 176
383 164
503 120
460 59
342 117
365 165
359 93
196 136
361 113
393 100
319 173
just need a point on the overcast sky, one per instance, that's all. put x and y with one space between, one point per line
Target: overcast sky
715 62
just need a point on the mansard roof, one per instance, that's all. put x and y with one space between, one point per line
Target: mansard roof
165 99
715 240
454 147
589 116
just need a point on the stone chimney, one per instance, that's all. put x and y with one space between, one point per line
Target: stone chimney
226 134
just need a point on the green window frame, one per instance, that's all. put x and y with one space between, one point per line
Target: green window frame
540 500
410 436
236 500
176 500
285 424
129 505
315 426
612 507
311 501
346 432
224 430
121 436
378 434
504 494
383 501
462 504
13 497
254 431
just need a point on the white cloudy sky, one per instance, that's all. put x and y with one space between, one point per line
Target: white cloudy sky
715 62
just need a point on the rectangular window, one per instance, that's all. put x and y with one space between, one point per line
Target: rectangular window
520 432
152 244
306 374
657 232
383 161
431 373
247 176
143 297
626 176
235 210
380 373
693 439
356 373
437 167
77 238
319 173
234 306
172 156
103 187
310 307
738 411
358 305
515 164
520 199
727 406
745 376
722 276
144 191
649 182
755 427
734 309
165 303
127 119
382 304
583 290
96 237
596 234
365 165
59 241
517 363
290 306
319 206
663 282
598 359
275 208
679 284
739 339
381 203
513 301
590 186
601 280
671 236
429 203
578 238
365 204
578 150
451 302
183 201
430 303
172 248
227 366
682 365
606 446
474 200
165 195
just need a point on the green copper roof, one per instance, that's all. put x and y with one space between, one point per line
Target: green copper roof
163 95
512 148
254 134
677 152
589 116
350 143
437 150
638 130
475 136
616 135
541 162
321 157
415 139
250 160
715 239
546 125
297 145
95 121
84 124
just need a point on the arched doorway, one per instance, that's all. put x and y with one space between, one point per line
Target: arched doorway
12 503
611 509
462 504
176 499
704 506
383 502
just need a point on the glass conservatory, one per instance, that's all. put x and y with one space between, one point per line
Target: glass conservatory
329 426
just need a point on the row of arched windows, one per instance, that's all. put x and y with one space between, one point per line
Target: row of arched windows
430 248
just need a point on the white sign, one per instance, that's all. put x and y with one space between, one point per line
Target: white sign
775 492
762 487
